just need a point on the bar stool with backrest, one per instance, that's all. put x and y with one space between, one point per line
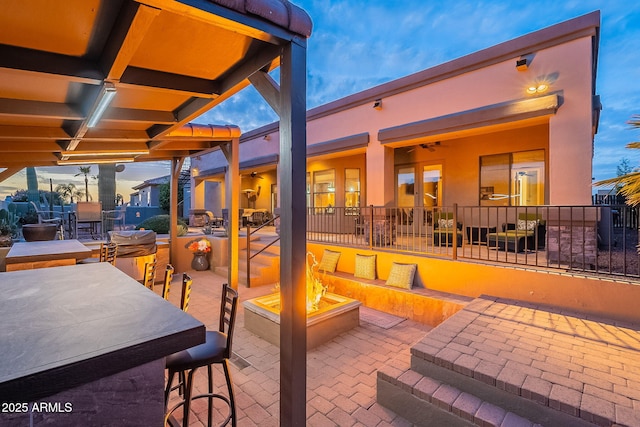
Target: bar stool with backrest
149 273
216 349
108 253
168 277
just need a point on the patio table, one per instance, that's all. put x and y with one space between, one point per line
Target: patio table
89 342
50 253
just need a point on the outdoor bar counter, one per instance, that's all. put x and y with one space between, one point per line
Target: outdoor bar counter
85 345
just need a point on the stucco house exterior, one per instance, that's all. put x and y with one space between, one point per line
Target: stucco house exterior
148 193
493 128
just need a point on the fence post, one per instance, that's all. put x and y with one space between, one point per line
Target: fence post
455 232
371 228
248 255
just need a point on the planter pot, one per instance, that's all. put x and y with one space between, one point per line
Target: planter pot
39 232
200 261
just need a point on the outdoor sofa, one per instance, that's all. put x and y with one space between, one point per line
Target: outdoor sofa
529 233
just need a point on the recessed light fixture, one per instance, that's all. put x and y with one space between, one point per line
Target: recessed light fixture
107 93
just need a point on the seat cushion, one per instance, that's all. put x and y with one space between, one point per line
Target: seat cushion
213 350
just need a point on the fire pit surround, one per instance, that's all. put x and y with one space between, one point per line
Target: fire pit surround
328 315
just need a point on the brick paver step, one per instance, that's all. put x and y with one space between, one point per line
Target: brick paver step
577 366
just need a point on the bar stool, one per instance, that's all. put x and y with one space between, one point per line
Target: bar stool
108 253
168 277
216 349
149 273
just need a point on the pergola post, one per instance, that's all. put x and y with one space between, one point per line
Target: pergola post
176 167
293 232
231 152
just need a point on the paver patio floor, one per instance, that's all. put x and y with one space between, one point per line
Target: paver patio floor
341 374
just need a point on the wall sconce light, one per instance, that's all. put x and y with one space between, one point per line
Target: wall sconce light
267 137
541 87
377 105
522 64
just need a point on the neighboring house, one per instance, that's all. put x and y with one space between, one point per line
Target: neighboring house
509 125
148 193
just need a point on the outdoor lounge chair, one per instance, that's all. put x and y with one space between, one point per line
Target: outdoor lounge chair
444 230
528 234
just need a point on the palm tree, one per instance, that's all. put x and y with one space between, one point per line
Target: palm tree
68 192
629 183
85 170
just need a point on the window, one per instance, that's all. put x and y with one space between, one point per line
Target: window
514 179
352 191
324 190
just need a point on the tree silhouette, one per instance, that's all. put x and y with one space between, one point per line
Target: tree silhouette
629 183
85 170
68 192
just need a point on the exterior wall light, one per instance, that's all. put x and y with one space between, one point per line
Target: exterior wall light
539 88
377 104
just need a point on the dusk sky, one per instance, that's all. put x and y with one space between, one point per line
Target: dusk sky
357 44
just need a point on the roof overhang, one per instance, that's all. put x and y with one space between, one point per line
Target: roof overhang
490 117
90 81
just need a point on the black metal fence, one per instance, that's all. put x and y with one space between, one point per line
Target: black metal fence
594 239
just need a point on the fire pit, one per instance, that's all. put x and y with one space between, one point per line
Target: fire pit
337 314
328 315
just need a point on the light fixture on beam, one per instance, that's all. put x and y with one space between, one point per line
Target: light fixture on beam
127 153
107 93
95 161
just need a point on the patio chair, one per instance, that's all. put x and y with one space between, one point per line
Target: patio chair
88 218
50 217
444 231
529 233
215 350
112 220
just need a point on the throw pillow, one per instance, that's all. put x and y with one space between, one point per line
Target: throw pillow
401 275
329 261
528 225
365 267
445 223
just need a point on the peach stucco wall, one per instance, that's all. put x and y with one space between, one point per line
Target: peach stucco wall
567 134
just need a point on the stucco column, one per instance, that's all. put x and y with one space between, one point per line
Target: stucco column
197 193
570 156
380 175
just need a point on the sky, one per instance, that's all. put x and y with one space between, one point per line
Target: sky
358 44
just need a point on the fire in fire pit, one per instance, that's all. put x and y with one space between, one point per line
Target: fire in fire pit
328 315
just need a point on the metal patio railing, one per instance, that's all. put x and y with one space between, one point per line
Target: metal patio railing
594 239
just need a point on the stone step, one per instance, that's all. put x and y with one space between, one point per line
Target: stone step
263 242
440 400
256 279
539 359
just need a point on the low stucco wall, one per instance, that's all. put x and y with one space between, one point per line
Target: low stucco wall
610 299
182 259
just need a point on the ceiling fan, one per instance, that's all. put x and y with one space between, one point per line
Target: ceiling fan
428 145
253 174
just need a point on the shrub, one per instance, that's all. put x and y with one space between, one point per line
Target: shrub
160 224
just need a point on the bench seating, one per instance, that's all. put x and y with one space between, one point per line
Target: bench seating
419 304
